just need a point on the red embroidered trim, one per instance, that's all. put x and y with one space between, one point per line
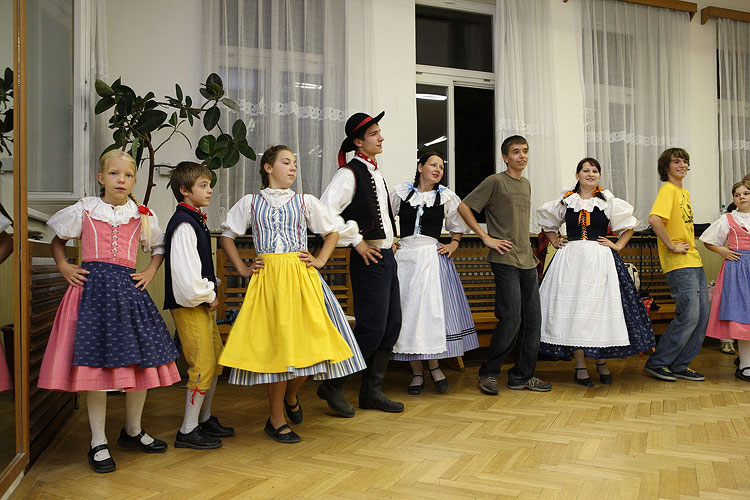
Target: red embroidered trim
367 159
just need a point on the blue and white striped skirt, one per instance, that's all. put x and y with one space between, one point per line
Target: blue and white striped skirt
460 332
319 371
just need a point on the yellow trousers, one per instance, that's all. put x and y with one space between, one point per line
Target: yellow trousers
201 344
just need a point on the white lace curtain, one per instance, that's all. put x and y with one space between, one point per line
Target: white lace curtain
524 92
636 97
284 62
733 43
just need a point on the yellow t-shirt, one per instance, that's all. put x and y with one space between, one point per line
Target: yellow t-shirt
672 204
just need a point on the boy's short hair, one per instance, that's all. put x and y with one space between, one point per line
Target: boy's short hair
665 159
510 141
185 174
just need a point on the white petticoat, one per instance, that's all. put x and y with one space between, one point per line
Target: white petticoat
580 298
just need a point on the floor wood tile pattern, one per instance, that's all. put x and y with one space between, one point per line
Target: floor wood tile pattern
637 439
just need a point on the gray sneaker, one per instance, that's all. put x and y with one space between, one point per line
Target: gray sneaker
533 384
488 384
689 374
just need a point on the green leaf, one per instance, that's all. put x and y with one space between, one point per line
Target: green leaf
205 93
125 105
213 78
211 118
134 148
239 130
178 92
213 178
8 122
119 137
9 77
206 143
103 105
246 150
190 119
102 89
109 148
150 120
231 104
173 119
232 158
216 90
188 101
214 163
201 155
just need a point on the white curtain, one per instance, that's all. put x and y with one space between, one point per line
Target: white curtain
100 135
524 92
733 42
285 63
635 63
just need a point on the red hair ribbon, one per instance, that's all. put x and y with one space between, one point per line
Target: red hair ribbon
598 189
144 210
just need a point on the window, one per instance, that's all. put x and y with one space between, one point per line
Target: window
455 92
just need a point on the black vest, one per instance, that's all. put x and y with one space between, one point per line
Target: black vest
598 226
364 208
430 224
181 215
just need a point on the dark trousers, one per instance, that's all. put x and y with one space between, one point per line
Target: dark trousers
519 317
377 302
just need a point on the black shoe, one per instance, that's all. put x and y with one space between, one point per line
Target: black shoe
332 392
133 442
441 385
740 374
295 416
415 389
101 466
197 439
605 378
689 374
213 428
737 361
586 382
661 373
288 438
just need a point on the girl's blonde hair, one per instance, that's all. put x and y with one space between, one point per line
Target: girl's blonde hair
740 183
117 153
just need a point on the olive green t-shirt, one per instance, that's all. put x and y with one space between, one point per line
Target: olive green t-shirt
508 208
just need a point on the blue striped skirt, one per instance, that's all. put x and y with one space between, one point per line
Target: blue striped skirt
319 371
460 333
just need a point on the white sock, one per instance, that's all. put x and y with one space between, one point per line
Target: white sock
743 347
208 399
134 401
96 403
193 402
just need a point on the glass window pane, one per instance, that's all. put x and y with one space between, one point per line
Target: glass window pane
454 39
432 122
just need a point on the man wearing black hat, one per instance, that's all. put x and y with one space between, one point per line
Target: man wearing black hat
358 198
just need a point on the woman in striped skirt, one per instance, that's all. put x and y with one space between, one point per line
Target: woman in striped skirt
290 325
436 320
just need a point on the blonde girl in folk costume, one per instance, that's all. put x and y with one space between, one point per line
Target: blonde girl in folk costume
590 306
290 325
436 320
730 307
108 333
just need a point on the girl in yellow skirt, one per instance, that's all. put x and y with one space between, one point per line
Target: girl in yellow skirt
290 325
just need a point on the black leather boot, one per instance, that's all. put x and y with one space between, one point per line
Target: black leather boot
332 392
371 394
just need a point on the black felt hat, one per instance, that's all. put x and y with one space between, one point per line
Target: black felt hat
355 123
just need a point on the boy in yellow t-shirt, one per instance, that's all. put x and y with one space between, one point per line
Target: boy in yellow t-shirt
671 218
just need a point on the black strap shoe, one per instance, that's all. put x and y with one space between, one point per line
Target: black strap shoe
101 466
287 438
212 427
134 442
197 440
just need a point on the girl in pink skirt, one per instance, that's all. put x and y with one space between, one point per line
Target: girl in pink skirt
108 333
730 314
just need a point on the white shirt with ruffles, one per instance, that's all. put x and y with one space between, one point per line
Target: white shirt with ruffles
551 215
189 287
4 223
448 200
340 193
240 216
718 231
67 224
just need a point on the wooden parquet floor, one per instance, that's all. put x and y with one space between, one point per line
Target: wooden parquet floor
637 439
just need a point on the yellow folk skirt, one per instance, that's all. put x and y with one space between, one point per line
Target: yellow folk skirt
283 321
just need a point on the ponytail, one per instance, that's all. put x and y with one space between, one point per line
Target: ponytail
145 221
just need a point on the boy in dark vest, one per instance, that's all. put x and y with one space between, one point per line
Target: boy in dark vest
358 198
190 295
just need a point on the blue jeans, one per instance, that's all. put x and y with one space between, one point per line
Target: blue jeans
519 316
683 338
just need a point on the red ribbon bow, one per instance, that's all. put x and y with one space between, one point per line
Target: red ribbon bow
144 210
193 391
